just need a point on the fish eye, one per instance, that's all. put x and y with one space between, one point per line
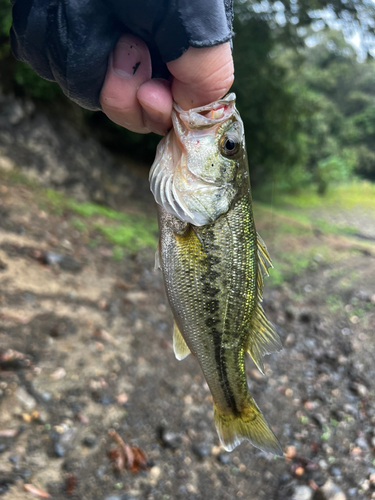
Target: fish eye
229 145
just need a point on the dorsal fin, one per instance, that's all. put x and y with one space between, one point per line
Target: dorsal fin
180 348
263 338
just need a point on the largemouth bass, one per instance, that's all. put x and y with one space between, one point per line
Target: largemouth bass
213 262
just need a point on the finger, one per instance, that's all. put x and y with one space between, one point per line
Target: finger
156 100
129 67
202 75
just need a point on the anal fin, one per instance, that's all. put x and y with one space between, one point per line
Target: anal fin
180 348
264 258
263 338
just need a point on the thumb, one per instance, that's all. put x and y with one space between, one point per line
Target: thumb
202 75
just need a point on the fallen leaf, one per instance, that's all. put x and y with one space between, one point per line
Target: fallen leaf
70 484
126 456
8 433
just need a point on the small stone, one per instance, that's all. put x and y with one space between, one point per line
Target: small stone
25 399
42 417
362 443
89 441
346 331
303 493
323 464
169 439
63 441
58 374
223 458
365 485
332 491
6 164
335 471
52 258
122 398
299 471
291 338
155 472
359 389
69 263
291 452
3 265
201 450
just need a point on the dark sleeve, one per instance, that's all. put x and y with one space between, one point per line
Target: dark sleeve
69 41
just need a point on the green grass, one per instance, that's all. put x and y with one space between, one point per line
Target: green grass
132 235
345 195
128 232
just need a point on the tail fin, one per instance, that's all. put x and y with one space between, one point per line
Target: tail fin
250 425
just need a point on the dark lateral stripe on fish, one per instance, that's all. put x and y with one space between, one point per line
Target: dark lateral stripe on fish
223 375
212 306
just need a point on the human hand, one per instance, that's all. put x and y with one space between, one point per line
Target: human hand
130 98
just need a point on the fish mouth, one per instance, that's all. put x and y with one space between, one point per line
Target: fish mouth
206 116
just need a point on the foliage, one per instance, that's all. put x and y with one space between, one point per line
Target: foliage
308 105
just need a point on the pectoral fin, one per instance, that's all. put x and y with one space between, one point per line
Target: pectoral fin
180 348
157 258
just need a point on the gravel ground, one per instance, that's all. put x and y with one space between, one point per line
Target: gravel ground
85 347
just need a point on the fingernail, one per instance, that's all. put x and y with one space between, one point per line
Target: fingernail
126 59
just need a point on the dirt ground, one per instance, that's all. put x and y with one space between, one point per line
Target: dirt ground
85 347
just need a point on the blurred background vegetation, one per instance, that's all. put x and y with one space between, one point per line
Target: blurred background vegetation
305 81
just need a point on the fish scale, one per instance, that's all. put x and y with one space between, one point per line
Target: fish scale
213 263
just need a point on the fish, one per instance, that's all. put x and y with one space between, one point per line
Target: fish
213 262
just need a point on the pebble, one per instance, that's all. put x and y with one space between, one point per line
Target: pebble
223 458
346 331
201 450
25 399
291 338
362 443
332 491
63 441
170 439
89 441
303 493
335 471
359 389
155 472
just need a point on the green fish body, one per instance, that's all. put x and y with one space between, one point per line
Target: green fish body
213 262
